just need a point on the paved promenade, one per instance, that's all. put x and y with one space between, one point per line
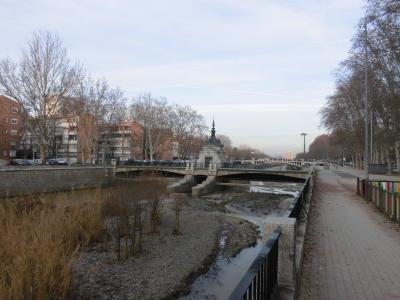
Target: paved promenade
352 251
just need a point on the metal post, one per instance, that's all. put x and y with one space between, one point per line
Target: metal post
304 144
366 173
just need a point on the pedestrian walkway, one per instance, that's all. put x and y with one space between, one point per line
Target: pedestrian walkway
360 173
352 251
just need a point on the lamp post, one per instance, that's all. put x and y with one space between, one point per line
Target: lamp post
304 143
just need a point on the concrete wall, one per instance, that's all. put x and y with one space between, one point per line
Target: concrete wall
207 186
182 186
14 182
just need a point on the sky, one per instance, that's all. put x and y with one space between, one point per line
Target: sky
261 69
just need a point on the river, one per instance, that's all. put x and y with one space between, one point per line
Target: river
252 203
225 274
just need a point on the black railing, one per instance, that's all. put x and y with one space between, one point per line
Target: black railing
300 199
262 276
158 163
387 201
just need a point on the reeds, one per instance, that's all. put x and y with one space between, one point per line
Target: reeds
41 237
38 242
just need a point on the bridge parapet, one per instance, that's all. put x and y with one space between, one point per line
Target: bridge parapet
213 170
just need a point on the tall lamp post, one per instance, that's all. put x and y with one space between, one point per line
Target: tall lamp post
304 143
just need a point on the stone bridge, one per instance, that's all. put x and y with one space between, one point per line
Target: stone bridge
203 180
242 173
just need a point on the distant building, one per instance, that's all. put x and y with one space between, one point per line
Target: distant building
10 127
212 152
121 141
289 155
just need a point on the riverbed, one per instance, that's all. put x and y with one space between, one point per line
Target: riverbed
219 236
252 204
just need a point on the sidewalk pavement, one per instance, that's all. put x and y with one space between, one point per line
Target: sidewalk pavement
352 251
360 173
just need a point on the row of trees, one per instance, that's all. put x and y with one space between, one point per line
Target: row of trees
242 152
49 86
164 123
375 48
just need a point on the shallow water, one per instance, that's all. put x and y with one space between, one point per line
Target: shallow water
225 274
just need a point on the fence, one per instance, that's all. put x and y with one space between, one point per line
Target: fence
386 201
261 278
300 199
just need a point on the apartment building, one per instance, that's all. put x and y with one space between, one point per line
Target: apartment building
121 141
10 127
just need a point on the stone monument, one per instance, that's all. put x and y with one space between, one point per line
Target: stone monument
213 152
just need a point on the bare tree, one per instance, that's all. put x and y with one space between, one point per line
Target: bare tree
187 124
155 115
226 141
40 81
344 113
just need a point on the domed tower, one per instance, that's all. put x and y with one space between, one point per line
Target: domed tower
212 152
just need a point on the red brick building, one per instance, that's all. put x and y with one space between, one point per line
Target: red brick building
10 127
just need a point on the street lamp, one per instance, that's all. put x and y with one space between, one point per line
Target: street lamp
304 144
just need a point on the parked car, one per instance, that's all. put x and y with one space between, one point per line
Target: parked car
3 163
61 161
20 162
52 162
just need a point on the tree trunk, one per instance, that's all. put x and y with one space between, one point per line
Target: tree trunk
42 150
376 155
150 147
359 160
389 165
396 147
382 155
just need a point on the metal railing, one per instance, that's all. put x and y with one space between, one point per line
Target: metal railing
261 278
300 199
155 163
387 201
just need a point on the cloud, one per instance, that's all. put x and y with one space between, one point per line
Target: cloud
259 108
264 63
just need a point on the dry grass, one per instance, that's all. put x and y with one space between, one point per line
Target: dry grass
38 242
40 237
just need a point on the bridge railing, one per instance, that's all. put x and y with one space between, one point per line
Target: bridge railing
382 195
154 163
261 278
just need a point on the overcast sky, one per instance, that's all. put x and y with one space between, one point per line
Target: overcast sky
262 69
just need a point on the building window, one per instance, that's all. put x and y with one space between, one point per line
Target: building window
14 110
13 132
14 121
5 152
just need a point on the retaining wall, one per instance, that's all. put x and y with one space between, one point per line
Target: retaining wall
15 182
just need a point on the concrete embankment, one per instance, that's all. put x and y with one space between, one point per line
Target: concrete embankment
182 186
23 181
207 186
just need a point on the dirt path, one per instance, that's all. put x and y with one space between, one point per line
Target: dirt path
352 251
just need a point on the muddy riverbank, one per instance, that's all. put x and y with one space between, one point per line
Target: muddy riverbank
169 263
